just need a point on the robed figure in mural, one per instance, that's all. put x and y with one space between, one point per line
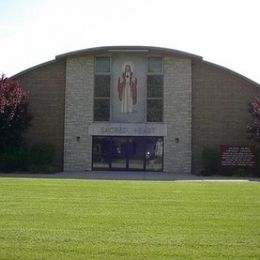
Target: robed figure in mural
127 88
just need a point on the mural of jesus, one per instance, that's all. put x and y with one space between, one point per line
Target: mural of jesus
127 88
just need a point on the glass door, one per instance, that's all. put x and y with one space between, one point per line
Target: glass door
154 154
127 153
119 153
135 153
101 152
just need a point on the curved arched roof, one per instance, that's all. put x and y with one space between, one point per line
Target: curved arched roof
133 49
129 49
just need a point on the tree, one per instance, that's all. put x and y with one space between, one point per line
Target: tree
254 127
14 115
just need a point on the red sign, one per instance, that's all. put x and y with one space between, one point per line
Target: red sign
238 156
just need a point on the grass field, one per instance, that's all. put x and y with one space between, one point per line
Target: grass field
87 219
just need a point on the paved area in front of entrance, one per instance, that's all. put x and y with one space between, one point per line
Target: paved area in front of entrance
123 175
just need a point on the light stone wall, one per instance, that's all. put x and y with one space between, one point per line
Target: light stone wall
177 114
78 113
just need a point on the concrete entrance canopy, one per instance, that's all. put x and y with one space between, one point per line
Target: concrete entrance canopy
128 129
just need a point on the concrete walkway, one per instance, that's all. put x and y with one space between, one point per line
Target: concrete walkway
122 175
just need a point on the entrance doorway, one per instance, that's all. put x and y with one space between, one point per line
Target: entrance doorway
127 153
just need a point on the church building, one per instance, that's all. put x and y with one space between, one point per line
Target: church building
135 108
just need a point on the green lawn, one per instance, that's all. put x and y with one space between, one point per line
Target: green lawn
87 219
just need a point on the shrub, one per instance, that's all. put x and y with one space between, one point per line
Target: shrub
253 128
37 159
204 172
257 169
210 160
13 158
14 115
241 172
42 156
227 171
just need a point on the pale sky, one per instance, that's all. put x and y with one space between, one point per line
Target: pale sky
225 32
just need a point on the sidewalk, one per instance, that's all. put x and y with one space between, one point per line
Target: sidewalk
123 175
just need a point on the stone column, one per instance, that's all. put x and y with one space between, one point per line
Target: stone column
177 114
78 113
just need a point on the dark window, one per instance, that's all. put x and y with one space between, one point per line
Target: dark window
102 89
155 65
154 86
154 110
102 86
154 106
102 64
101 109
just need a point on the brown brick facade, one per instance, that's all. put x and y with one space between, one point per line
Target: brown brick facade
219 107
46 85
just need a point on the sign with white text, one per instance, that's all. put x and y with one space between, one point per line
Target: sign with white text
234 156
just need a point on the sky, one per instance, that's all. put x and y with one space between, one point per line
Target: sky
225 32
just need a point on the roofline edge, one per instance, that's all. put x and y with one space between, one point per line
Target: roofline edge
33 68
233 72
124 48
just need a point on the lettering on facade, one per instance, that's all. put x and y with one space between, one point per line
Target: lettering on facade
113 130
128 129
234 156
124 130
144 130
